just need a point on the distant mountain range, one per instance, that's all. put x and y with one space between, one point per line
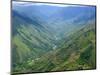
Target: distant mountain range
52 37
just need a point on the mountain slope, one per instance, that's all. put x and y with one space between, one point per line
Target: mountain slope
24 33
77 52
56 39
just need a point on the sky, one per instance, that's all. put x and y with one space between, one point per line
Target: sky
49 11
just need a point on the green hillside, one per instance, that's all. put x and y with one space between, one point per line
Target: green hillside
52 37
76 51
29 41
